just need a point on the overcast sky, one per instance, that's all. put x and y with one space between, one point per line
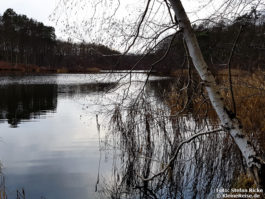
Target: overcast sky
36 9
79 15
40 10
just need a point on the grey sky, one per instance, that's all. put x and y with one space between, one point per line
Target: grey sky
41 9
76 21
36 9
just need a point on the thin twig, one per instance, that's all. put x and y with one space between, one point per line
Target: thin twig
177 151
139 27
229 68
157 62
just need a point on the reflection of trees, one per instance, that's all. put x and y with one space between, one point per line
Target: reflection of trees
77 89
148 137
26 101
23 102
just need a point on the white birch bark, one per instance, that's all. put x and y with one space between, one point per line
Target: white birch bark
231 124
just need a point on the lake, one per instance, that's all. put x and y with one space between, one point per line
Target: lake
86 136
49 137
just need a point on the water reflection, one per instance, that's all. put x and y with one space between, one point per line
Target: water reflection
72 90
148 136
58 157
23 102
54 151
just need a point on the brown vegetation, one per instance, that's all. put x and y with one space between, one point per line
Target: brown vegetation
249 92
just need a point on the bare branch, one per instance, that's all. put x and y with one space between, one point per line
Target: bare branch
177 151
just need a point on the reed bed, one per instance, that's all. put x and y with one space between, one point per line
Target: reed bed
188 97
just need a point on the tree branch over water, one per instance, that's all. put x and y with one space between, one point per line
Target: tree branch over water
168 165
148 22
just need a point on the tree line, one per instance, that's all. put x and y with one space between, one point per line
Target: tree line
26 41
217 39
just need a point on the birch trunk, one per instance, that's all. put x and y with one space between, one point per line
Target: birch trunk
230 123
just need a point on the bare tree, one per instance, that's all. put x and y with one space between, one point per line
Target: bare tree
151 26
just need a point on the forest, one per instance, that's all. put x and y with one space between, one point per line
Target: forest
33 46
30 43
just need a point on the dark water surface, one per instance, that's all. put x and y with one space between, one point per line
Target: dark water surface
56 141
49 139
